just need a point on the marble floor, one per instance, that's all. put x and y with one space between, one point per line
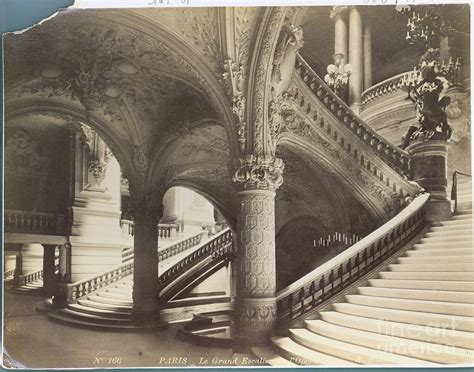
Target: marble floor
33 341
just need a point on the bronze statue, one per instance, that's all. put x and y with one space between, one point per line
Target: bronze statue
430 110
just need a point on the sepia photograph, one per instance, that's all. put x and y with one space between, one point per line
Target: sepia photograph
238 186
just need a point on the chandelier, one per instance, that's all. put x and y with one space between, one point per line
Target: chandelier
426 30
336 79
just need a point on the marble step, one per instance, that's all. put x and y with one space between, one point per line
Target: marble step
447 232
85 323
439 335
461 323
428 295
301 355
437 307
108 300
408 275
105 306
455 223
435 285
426 351
80 308
348 351
436 259
441 252
94 318
270 357
444 245
465 227
119 290
433 267
449 239
116 296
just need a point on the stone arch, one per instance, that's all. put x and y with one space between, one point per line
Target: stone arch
316 154
73 114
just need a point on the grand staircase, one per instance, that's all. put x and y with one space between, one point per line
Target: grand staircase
419 310
111 306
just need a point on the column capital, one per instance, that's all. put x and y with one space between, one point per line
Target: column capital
338 11
259 172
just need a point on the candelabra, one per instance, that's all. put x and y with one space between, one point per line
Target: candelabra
335 78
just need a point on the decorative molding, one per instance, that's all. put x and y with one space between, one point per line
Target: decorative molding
259 173
234 80
140 159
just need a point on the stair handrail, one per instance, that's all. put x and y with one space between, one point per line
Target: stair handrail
93 283
25 279
454 187
329 279
392 155
221 246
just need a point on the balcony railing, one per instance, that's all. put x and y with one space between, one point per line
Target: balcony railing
385 87
27 222
329 279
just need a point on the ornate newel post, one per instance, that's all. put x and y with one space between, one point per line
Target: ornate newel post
146 307
255 305
429 170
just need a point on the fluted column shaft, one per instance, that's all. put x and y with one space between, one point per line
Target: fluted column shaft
355 58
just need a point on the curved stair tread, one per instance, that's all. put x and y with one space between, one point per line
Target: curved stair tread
461 323
441 252
438 307
418 294
447 285
443 336
350 351
431 352
302 355
271 358
84 323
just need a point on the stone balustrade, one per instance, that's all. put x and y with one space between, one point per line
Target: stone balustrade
28 222
385 87
317 287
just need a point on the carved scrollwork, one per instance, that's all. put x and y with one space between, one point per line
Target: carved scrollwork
140 159
260 173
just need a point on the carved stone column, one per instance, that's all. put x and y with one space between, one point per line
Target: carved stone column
428 167
356 80
49 276
367 56
255 306
146 307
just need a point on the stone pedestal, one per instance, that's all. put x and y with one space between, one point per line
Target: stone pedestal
429 169
146 308
255 307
